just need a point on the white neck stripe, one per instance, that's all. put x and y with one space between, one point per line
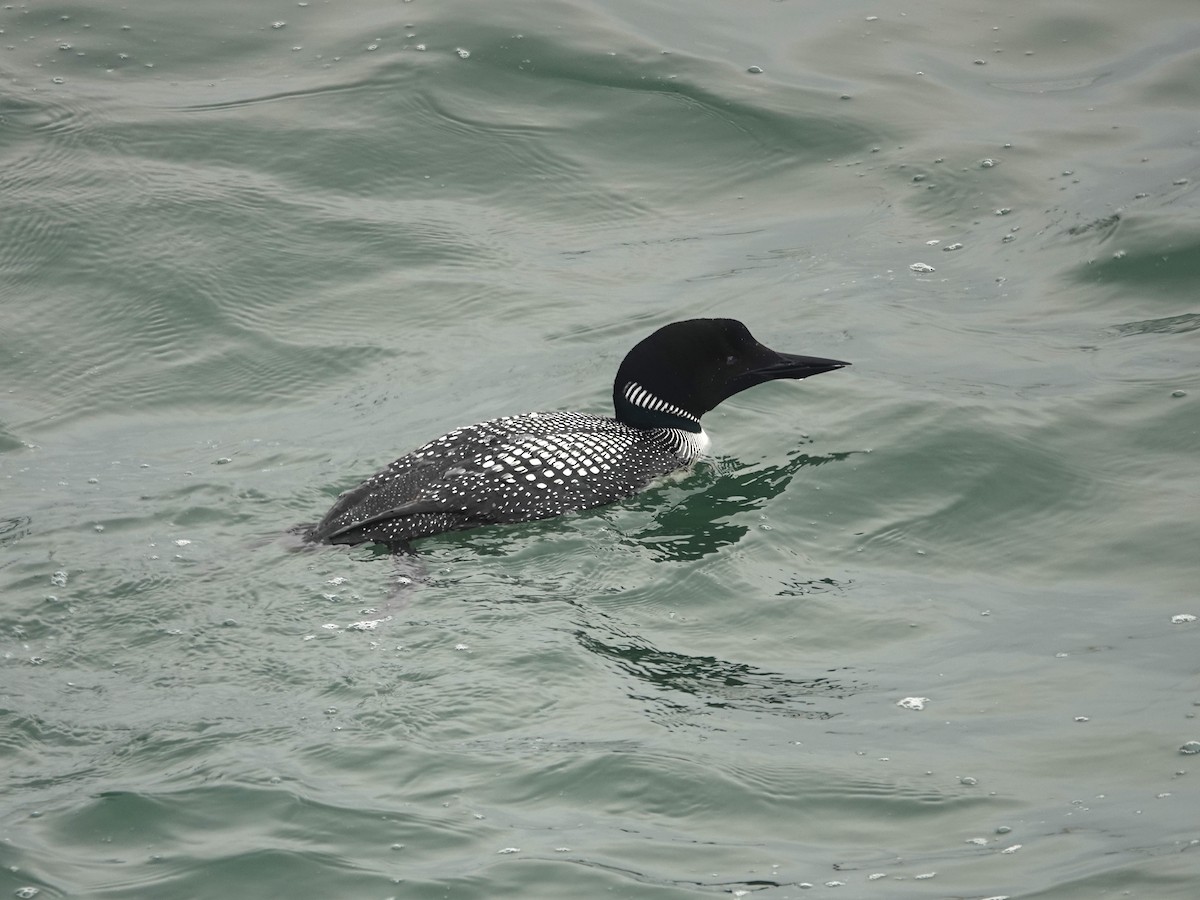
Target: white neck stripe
639 396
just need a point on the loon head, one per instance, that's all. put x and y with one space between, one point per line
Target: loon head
677 374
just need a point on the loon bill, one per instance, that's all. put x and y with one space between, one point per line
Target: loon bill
539 465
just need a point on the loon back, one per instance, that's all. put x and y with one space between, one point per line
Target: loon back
538 465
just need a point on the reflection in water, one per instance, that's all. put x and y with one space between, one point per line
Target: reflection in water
1167 325
798 588
14 528
687 684
705 521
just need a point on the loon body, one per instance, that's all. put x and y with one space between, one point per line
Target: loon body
537 465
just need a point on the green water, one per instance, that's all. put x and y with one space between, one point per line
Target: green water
242 266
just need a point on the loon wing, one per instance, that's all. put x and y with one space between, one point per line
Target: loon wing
412 508
395 490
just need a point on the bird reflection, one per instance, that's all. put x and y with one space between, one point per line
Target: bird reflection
705 521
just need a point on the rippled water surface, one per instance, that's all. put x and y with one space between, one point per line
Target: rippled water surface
250 252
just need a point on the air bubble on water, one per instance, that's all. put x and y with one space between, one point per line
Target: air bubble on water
835 883
755 70
1179 181
912 702
59 578
419 47
875 876
924 876
1082 719
278 25
933 243
922 268
968 781
462 53
1013 849
979 841
372 47
26 892
1182 619
461 647
950 247
1190 748
987 163
367 624
181 542
1178 393
509 850
58 79
64 46
1004 210
1003 829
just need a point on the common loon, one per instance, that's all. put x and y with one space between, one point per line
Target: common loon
543 464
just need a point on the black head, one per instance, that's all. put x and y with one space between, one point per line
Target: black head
685 369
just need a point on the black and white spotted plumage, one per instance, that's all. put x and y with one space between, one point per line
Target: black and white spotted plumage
538 465
513 469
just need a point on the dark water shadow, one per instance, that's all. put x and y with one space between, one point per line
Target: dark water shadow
683 684
708 520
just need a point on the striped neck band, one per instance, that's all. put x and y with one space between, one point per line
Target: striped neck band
640 397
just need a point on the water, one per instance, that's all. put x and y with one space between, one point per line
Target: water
237 276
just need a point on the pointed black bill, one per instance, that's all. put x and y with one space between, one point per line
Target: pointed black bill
787 365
